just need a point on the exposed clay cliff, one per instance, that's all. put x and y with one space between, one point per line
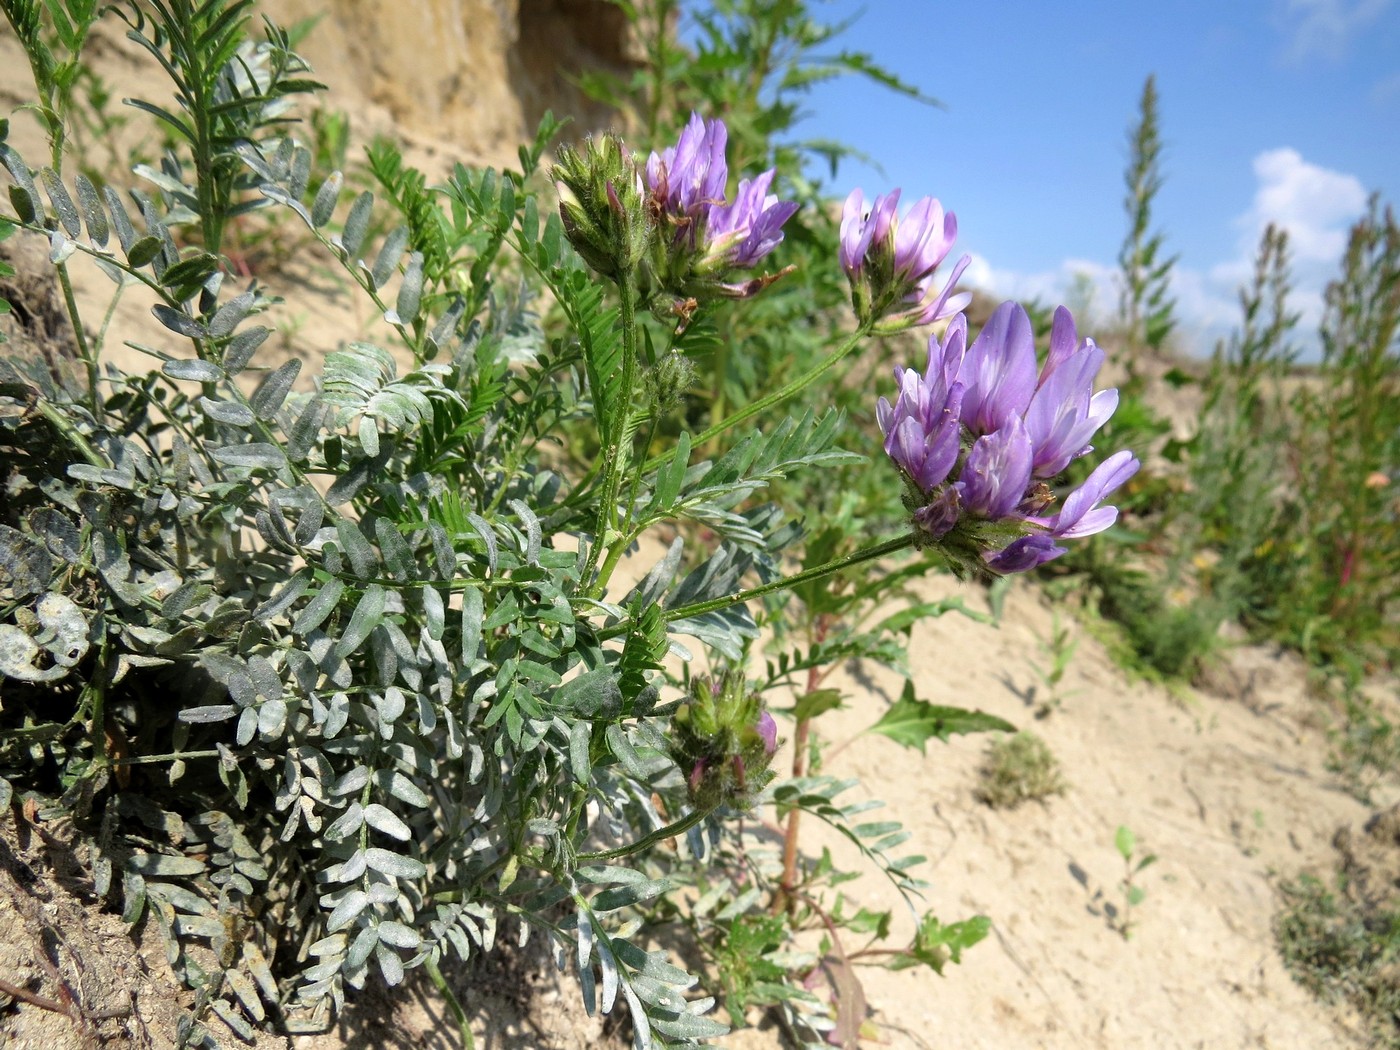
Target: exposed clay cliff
478 73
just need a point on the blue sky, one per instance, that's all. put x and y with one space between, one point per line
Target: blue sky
1282 110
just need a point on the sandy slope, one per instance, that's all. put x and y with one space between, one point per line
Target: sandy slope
1224 793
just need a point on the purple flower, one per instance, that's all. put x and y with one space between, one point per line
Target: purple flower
997 471
890 261
922 428
767 732
860 226
691 175
1081 513
1026 553
704 237
977 435
999 371
745 230
1065 412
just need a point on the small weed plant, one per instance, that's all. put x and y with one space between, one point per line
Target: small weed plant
1058 650
1341 950
1017 768
1134 861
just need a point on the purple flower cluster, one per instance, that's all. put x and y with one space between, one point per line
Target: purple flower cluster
890 261
980 434
708 234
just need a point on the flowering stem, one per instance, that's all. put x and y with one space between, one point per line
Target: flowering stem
670 831
764 403
605 528
880 550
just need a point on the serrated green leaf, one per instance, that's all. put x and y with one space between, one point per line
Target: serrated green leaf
912 722
817 702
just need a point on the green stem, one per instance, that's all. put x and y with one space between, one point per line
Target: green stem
75 319
818 572
464 1028
100 340
717 403
614 453
670 831
764 403
70 434
98 687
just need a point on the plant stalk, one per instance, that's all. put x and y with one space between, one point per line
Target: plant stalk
764 403
670 831
615 455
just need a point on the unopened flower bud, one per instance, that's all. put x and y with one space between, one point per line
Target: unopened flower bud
601 205
723 740
668 382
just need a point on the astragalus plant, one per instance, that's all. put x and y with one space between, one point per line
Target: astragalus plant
334 674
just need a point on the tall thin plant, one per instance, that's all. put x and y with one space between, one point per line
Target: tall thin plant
1145 305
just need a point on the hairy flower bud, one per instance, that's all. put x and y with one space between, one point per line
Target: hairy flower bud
723 741
669 380
601 206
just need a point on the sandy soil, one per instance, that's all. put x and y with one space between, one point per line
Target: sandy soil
1228 792
1228 788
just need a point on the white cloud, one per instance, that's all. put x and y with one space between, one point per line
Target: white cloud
1315 205
1325 28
